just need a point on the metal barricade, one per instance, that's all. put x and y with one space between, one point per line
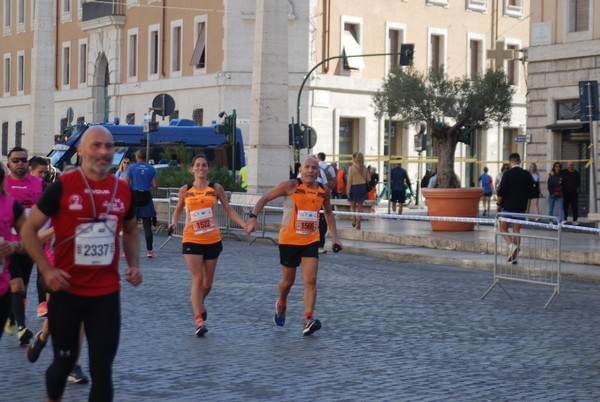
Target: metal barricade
243 203
536 258
160 197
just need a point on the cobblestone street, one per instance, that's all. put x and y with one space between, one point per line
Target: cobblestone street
391 331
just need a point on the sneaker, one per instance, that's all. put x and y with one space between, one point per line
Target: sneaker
150 254
10 327
42 310
311 326
203 312
575 223
322 250
35 348
279 317
200 329
24 335
76 375
512 251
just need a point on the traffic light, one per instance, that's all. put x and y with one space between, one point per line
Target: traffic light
226 128
295 136
407 50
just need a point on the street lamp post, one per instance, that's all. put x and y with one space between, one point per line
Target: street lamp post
323 62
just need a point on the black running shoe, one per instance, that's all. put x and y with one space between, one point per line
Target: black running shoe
311 326
25 335
76 375
35 348
201 330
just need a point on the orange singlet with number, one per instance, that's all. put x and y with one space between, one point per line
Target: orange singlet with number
201 225
300 223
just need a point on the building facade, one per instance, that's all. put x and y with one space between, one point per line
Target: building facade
565 49
107 60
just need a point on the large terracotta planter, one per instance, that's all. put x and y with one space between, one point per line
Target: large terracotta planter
455 202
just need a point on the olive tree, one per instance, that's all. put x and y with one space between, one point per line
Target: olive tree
451 108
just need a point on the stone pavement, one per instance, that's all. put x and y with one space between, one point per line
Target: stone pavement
392 330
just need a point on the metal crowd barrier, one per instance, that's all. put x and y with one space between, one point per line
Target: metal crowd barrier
243 203
538 257
165 202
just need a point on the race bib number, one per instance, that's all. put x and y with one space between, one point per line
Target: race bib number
95 243
307 222
203 220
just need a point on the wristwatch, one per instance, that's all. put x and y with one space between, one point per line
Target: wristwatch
251 215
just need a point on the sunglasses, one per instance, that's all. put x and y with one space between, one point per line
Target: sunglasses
17 160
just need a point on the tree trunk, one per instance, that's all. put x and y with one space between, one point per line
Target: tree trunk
446 178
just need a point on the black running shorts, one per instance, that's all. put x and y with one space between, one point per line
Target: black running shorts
291 256
209 251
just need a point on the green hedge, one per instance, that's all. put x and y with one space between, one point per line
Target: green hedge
176 176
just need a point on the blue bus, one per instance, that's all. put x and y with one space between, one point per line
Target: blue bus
164 144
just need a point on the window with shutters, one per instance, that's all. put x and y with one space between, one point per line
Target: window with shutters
198 117
18 134
579 15
199 55
5 138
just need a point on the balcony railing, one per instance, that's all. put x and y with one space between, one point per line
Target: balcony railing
102 8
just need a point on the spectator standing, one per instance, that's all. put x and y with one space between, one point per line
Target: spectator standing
122 171
514 192
142 178
341 183
328 173
358 186
298 237
399 182
504 168
425 179
243 178
486 183
372 195
555 191
534 207
89 207
571 183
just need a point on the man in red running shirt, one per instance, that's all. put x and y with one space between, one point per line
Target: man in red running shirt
89 207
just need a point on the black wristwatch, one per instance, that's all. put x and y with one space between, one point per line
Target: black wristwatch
251 215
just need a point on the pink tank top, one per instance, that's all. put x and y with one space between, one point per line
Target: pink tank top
26 192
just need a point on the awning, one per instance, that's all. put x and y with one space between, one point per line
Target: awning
575 127
352 47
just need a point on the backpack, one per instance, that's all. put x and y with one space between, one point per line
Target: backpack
331 180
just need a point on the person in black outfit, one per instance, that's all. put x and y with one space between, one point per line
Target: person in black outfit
514 192
571 182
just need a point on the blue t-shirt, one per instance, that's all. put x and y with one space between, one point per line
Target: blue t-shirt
141 175
486 182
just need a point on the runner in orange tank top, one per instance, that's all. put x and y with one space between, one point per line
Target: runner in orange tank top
299 237
202 237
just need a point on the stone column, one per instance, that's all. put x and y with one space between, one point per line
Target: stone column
269 155
42 114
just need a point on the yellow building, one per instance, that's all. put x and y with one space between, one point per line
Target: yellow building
108 59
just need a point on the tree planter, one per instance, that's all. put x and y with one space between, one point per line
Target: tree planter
454 202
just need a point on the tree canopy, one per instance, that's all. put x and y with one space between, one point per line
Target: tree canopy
452 108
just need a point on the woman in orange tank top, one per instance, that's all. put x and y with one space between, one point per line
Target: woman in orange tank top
201 236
